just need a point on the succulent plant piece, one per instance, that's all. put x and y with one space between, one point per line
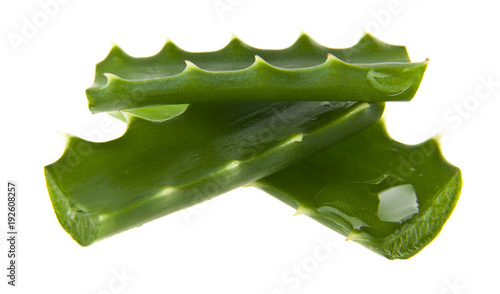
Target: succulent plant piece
301 123
390 197
370 71
157 168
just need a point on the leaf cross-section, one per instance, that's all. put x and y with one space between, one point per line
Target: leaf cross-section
343 188
155 168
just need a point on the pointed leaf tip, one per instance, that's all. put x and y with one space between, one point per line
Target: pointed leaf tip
438 136
116 52
332 59
191 66
369 39
169 47
368 36
111 78
235 43
127 115
66 137
305 40
234 39
259 60
303 210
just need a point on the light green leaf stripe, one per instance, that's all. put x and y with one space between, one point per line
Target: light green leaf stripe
156 168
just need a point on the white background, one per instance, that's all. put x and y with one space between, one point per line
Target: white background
246 241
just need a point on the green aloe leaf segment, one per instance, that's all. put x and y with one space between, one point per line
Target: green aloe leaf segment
301 123
370 71
390 197
155 168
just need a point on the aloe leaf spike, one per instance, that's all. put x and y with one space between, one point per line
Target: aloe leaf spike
156 168
370 71
390 197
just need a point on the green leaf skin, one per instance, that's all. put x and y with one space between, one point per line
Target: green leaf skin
370 71
156 168
340 186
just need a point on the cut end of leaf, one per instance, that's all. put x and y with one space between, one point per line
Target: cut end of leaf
82 226
418 231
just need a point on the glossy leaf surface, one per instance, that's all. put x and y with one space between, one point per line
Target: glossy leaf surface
370 71
390 197
155 168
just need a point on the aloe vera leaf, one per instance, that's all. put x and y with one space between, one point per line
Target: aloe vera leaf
155 168
153 113
390 197
370 71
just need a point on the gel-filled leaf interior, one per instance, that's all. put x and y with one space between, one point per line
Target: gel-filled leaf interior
289 120
390 197
155 168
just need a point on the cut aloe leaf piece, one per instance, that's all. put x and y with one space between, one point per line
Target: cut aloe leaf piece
370 71
156 168
390 197
153 113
